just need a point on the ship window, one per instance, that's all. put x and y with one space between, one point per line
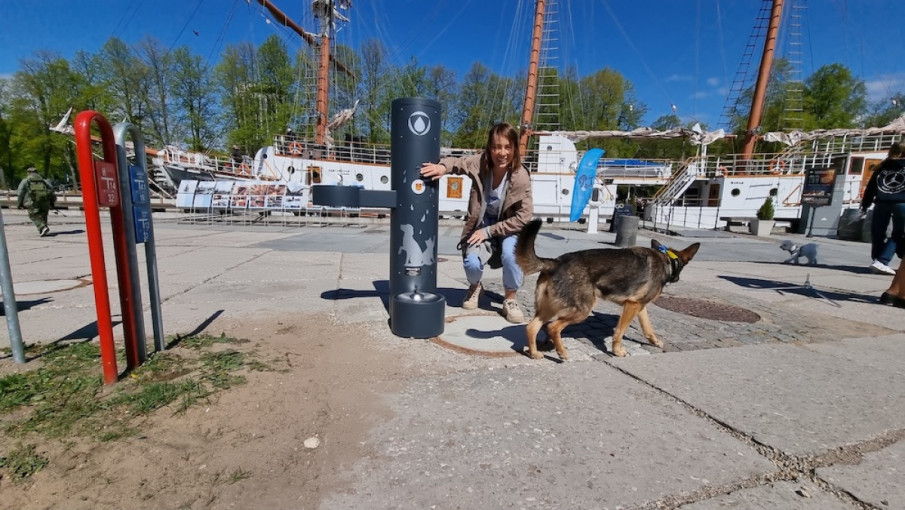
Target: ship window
565 191
549 148
291 170
773 192
359 177
383 179
735 192
857 166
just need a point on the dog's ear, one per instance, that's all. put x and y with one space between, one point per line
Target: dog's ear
654 244
686 254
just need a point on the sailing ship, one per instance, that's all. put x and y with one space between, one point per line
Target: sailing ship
704 191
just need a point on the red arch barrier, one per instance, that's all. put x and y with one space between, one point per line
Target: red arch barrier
101 187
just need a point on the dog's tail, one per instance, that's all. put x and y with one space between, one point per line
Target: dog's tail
524 250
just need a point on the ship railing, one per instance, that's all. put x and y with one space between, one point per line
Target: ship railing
202 162
354 151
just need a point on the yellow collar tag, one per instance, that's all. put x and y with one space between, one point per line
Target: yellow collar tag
670 254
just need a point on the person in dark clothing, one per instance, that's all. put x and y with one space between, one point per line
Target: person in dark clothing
36 195
237 155
885 190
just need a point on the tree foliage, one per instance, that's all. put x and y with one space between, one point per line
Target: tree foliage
252 93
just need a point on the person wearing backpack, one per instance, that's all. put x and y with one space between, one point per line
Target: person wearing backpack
36 195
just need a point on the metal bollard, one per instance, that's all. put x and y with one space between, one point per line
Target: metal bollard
626 231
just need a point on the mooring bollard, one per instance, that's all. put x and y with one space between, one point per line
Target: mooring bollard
416 310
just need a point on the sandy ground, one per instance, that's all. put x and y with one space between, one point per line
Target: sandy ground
245 449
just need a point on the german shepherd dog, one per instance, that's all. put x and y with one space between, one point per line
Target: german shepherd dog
568 286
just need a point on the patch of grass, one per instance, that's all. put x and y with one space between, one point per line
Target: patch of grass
22 462
202 341
238 475
65 396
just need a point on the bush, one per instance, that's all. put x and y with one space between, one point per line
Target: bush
766 210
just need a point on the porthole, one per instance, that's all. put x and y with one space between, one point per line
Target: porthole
383 179
565 191
291 170
773 192
359 177
735 192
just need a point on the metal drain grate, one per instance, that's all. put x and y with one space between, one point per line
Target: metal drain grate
706 309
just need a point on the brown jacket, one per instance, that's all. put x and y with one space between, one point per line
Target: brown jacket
518 205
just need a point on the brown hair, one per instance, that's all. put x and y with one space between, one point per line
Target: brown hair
508 132
897 150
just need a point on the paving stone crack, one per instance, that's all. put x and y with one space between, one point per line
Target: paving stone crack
790 468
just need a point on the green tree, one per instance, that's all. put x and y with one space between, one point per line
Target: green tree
374 92
124 75
155 92
834 98
44 88
195 97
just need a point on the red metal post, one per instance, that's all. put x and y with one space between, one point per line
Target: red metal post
100 186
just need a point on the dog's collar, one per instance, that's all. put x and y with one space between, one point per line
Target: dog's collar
675 264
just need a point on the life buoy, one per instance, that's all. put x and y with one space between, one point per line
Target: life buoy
777 166
244 169
295 148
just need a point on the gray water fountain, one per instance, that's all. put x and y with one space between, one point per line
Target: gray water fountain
416 310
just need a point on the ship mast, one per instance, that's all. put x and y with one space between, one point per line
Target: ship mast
325 10
531 90
763 76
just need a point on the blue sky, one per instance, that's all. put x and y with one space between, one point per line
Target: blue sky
681 52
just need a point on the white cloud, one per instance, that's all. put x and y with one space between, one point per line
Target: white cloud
678 77
885 86
713 82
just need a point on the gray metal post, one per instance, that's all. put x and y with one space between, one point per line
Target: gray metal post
139 228
10 308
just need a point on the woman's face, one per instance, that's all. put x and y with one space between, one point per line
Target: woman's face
501 152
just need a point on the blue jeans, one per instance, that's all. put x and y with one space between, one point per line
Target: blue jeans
881 248
512 273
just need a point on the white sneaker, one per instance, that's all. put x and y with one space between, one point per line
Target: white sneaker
512 312
881 268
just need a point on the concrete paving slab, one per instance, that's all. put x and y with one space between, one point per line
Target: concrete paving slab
778 495
797 400
540 435
876 480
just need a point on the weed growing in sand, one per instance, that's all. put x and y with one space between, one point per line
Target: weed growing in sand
22 462
65 395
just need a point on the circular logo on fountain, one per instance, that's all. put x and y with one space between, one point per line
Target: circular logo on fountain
419 123
418 186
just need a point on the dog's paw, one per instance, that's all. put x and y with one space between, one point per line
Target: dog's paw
620 352
656 342
535 355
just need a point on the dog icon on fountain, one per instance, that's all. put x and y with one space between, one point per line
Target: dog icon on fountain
808 251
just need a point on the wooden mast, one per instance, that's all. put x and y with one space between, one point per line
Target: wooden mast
323 66
763 76
531 90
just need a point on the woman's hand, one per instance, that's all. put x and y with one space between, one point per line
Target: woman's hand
477 237
432 171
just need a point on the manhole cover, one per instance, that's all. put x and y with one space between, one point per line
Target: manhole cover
706 309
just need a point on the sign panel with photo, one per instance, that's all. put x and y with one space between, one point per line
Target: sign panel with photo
818 186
